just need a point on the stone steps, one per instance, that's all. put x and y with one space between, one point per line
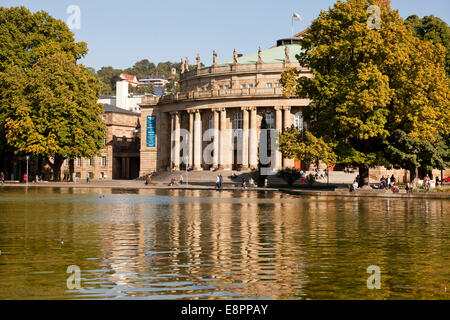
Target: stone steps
336 177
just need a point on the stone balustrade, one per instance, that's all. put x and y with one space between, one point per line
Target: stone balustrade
256 67
222 93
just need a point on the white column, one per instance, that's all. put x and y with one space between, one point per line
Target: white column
216 138
278 127
172 139
288 163
191 139
253 140
177 142
245 125
224 143
198 141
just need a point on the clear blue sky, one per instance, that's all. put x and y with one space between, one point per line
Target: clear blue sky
119 33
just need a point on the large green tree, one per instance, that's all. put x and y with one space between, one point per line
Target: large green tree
434 29
368 82
53 111
48 103
25 37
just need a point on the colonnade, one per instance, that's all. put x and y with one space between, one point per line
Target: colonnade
222 143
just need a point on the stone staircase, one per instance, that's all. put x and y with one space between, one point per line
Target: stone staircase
209 177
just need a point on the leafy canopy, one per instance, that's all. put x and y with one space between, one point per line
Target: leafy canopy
48 103
369 82
52 109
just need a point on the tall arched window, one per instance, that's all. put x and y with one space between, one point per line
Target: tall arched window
298 121
210 127
270 120
237 125
237 121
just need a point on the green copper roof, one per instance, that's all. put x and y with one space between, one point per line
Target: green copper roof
271 55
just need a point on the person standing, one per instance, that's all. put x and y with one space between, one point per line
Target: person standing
426 183
221 181
181 179
2 178
393 179
88 178
217 182
25 178
382 182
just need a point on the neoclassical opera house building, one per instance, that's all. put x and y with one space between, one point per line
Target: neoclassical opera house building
230 98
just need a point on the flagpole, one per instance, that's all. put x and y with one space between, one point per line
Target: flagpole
292 27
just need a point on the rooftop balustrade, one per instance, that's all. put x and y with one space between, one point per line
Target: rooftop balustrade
214 94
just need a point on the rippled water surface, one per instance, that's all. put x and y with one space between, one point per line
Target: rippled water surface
161 244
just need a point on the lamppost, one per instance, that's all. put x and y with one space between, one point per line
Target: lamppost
28 157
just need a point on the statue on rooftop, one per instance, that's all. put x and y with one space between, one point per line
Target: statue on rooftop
214 58
199 65
259 55
182 66
235 56
187 64
287 58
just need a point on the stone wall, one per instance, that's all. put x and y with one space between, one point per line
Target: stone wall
118 125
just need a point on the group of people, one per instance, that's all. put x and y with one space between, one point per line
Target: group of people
320 174
25 178
389 183
248 184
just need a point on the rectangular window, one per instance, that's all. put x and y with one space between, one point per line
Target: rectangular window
277 85
103 161
250 85
91 162
269 85
243 86
79 162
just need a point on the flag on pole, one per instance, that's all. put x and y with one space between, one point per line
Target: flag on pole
297 17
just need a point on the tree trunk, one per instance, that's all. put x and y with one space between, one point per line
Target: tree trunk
414 176
363 176
56 167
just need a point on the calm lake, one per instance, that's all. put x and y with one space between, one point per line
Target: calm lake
162 244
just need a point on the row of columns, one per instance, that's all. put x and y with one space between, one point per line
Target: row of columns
222 155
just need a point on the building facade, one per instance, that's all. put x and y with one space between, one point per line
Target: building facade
120 157
217 107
